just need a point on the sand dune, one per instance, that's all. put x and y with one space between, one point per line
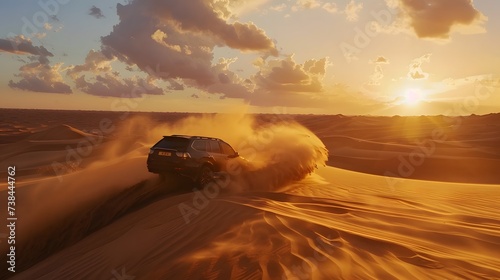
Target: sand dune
58 132
291 217
460 149
354 228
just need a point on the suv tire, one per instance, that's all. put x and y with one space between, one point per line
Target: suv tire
205 176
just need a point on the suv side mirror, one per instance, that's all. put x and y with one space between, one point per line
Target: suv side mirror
236 154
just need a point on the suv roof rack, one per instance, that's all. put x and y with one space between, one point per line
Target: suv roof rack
192 136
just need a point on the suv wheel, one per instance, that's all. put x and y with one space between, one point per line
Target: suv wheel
205 176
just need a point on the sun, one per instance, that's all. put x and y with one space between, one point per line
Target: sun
412 97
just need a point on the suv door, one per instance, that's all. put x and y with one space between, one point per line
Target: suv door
201 151
217 154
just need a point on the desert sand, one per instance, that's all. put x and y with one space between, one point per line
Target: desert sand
332 197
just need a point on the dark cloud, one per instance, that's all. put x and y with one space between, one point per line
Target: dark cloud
95 62
96 12
284 82
177 38
39 76
436 18
210 17
106 82
287 76
111 85
228 82
21 45
138 40
175 85
223 78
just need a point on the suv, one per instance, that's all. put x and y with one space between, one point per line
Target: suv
197 157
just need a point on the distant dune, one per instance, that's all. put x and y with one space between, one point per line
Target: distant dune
58 132
88 208
452 149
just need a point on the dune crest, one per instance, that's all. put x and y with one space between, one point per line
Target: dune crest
59 132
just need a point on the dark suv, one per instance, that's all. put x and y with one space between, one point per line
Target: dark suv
197 157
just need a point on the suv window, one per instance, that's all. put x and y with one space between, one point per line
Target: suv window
174 143
200 145
226 149
214 147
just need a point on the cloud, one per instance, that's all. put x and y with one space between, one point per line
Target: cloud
380 60
438 18
22 45
284 82
110 85
285 75
133 41
278 8
313 4
352 10
330 7
378 73
415 72
40 35
39 76
105 82
209 17
96 12
306 4
95 62
228 82
47 26
179 37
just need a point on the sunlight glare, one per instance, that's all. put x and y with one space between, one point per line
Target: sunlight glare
412 97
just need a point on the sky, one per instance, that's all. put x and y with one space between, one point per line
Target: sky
352 57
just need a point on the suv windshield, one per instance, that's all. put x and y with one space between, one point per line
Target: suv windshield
174 143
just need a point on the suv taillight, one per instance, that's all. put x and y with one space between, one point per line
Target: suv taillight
183 155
